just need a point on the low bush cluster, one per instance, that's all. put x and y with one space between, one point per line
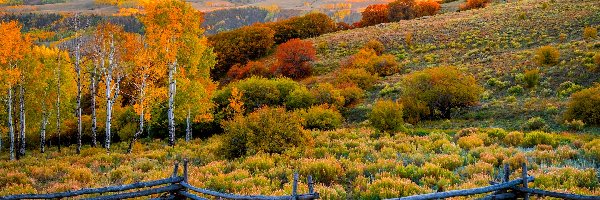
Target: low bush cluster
585 105
386 115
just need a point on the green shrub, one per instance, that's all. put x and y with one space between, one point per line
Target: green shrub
321 117
258 92
387 116
516 90
567 88
352 95
585 105
268 130
387 187
531 78
592 149
535 123
436 91
301 97
568 177
547 55
538 137
326 170
470 142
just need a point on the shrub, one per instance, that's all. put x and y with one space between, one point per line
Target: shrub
592 149
567 177
294 59
387 116
470 142
374 14
435 91
474 4
531 78
359 77
567 88
538 137
239 46
352 95
326 170
326 93
252 68
387 187
258 163
258 92
547 55
535 123
268 130
590 33
307 26
376 45
585 105
321 117
368 59
401 10
427 8
596 59
575 125
514 138
448 161
301 97
516 90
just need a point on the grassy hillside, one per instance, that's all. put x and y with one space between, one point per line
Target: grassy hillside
499 43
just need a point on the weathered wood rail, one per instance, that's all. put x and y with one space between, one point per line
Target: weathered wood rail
505 190
174 187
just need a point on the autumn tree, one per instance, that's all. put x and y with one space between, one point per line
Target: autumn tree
427 8
294 59
77 55
374 14
173 37
307 26
13 49
401 10
240 46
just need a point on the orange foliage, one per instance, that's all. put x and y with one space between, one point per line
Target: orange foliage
427 8
374 14
473 4
293 59
252 68
401 10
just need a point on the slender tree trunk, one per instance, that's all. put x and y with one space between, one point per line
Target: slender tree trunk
188 130
43 132
22 118
141 122
11 128
93 93
78 71
108 81
58 105
171 114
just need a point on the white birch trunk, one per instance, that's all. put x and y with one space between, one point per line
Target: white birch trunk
22 118
11 128
172 90
188 130
93 107
43 132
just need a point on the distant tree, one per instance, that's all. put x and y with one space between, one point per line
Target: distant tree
239 46
474 4
427 8
307 26
294 59
401 10
252 68
375 14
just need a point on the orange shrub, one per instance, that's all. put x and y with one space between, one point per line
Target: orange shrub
307 26
473 4
401 10
374 14
427 8
590 33
547 55
252 68
294 59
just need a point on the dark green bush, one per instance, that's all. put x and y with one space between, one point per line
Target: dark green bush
585 105
268 130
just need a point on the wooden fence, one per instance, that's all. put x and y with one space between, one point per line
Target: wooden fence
174 187
506 190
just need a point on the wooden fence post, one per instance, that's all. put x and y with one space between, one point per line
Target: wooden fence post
506 173
295 186
185 170
524 174
175 169
311 189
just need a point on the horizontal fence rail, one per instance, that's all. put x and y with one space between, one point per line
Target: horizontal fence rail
505 190
174 187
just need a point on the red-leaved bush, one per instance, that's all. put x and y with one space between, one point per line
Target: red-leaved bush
294 59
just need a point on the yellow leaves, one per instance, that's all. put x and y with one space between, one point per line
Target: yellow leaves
127 12
236 105
14 44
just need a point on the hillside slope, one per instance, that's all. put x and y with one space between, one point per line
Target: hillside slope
497 42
